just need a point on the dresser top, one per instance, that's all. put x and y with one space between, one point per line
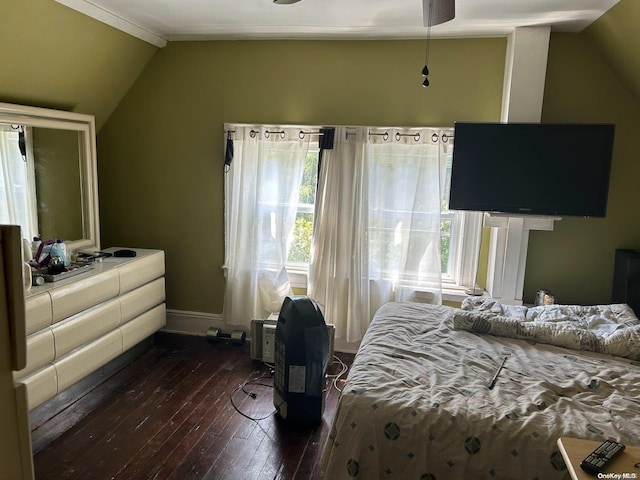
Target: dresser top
100 266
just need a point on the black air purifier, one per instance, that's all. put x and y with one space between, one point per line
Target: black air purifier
626 279
301 356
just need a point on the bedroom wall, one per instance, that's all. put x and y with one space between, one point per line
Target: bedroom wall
150 196
575 261
55 57
161 152
617 37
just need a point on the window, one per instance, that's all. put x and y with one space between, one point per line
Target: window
387 233
270 196
449 236
452 240
449 228
300 247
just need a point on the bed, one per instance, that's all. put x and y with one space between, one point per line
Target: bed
416 403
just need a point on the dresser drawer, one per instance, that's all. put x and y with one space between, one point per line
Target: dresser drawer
85 292
142 299
41 386
143 270
38 312
40 351
85 326
82 361
141 327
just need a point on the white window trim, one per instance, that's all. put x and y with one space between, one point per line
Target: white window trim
508 253
468 249
298 276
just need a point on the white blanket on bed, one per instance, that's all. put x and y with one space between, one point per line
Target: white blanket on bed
416 403
612 329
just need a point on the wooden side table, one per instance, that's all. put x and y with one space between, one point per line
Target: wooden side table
575 450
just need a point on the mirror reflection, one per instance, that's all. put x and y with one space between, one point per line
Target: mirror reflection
41 181
57 181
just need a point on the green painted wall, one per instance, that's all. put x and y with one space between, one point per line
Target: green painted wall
617 37
161 153
55 57
575 261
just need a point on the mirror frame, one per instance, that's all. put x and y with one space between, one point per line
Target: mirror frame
85 126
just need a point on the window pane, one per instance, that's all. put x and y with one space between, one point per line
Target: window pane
445 244
448 224
300 248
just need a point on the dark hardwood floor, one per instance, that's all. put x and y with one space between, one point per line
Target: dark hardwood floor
169 415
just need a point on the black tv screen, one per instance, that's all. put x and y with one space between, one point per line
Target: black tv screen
532 168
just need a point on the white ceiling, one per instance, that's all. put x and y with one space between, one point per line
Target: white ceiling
158 21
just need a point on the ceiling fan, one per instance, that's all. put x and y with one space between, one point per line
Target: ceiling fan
434 12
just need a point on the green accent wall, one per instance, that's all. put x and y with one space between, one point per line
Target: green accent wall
617 37
55 57
575 261
162 110
161 152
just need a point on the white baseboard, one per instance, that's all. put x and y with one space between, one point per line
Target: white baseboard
194 323
197 323
341 345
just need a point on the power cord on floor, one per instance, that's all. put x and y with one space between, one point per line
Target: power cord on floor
253 395
243 388
336 377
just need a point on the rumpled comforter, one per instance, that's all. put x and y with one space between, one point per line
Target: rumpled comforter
416 404
611 329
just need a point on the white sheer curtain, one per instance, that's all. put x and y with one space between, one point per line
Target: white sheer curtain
377 236
17 183
335 278
261 195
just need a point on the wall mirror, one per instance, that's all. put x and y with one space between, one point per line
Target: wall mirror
48 174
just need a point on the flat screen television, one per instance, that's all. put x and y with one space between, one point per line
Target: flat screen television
532 168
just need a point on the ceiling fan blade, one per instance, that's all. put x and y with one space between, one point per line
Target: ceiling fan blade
441 11
285 2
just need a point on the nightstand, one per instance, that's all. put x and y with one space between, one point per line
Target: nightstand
574 450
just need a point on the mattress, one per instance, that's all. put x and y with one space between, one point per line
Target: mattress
416 403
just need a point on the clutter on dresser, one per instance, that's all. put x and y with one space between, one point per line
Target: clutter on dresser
50 261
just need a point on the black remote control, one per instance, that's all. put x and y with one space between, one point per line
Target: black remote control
601 456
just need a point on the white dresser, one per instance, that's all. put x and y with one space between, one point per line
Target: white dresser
79 324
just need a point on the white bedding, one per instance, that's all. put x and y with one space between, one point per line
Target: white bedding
612 329
416 403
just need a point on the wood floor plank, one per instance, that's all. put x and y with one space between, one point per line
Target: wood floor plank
146 423
164 444
182 437
61 455
77 411
168 415
124 416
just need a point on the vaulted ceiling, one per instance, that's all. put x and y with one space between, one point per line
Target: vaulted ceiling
611 25
168 20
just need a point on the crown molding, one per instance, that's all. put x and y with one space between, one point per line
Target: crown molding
104 16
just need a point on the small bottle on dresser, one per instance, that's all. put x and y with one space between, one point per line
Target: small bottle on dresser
35 245
62 248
